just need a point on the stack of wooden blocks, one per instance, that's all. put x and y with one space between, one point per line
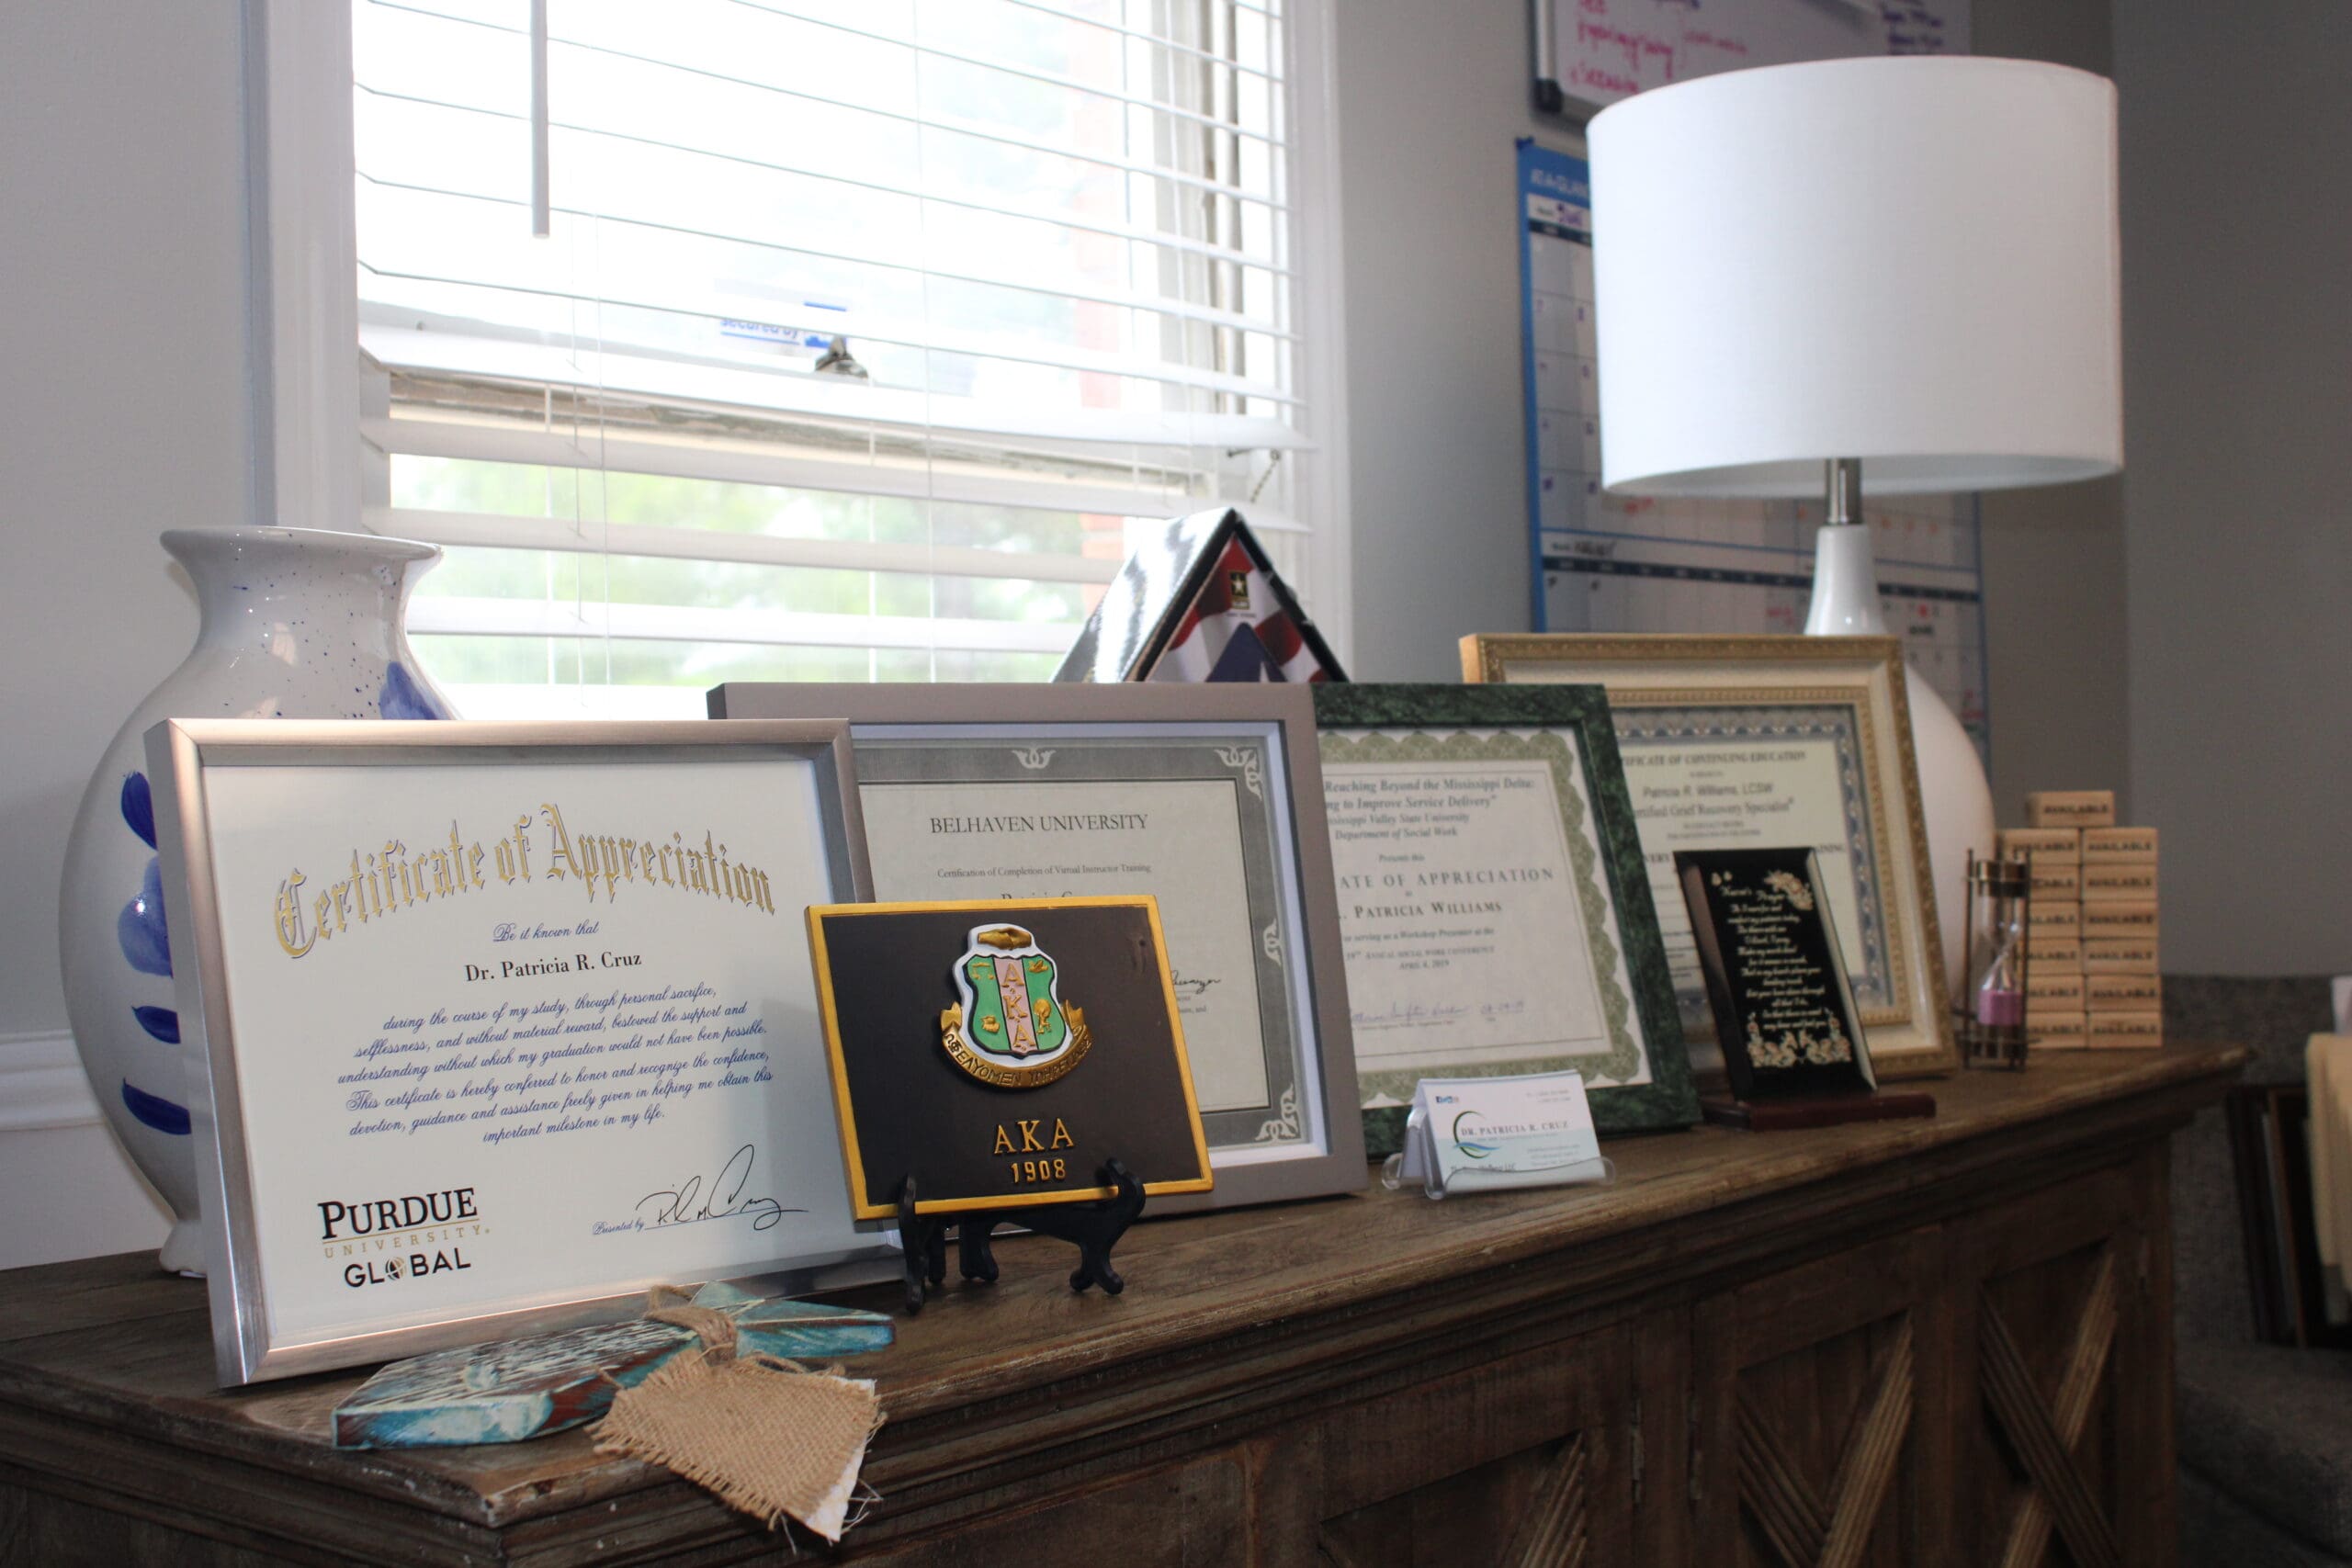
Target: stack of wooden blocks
2091 975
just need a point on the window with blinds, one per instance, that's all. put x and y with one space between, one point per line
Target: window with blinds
859 335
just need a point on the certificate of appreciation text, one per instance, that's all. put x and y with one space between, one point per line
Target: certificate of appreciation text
510 1033
1474 909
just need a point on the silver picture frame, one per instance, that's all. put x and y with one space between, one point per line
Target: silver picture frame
187 757
1305 1143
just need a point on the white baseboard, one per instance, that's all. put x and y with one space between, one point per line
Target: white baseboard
42 1084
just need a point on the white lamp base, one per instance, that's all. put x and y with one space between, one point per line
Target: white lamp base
1953 794
1957 804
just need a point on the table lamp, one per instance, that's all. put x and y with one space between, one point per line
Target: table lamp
1895 272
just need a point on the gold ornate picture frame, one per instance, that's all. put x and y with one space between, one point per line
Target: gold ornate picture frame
1759 741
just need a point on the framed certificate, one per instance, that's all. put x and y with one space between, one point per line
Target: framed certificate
1766 742
500 1023
1210 798
1494 907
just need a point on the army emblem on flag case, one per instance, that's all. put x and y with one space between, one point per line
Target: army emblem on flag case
1012 1028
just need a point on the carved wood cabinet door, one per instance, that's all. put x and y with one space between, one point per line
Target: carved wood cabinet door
1823 1414
2065 1310
1993 1392
1528 1461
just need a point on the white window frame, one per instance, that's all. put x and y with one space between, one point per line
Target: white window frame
311 463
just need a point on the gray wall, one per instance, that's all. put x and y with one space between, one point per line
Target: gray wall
1432 94
2237 338
122 262
2227 538
2053 555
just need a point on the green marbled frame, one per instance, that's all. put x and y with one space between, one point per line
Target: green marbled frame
1668 1099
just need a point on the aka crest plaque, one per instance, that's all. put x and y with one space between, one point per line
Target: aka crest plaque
1011 1029
1002 1053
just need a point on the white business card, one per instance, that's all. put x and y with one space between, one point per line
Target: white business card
1485 1134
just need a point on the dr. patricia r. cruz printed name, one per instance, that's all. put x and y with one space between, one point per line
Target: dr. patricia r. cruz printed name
573 963
384 882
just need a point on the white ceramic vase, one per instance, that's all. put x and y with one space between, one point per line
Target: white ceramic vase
296 624
1953 792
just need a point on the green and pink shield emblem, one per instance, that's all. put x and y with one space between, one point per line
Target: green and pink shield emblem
1011 1010
1012 1028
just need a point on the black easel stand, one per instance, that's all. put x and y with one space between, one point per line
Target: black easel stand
1093 1228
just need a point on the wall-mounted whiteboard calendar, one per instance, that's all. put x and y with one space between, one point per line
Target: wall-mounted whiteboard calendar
1590 53
1606 563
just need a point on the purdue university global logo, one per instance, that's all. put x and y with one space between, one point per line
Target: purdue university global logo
1012 1028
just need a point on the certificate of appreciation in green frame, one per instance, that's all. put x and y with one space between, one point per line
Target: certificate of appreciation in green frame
1495 911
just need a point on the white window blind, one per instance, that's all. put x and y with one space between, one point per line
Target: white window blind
1060 237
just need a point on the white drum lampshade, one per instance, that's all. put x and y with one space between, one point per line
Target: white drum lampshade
1906 266
1908 261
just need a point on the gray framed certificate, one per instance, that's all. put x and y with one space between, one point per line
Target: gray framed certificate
498 1025
1208 797
1494 906
1751 743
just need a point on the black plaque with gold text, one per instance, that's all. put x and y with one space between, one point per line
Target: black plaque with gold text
1001 1052
1783 1011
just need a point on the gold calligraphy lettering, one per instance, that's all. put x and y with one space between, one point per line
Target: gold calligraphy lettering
385 881
290 917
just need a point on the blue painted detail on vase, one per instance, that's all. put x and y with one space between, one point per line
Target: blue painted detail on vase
139 807
161 1022
403 697
140 928
155 1111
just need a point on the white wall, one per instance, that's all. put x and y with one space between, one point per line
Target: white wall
2237 377
123 269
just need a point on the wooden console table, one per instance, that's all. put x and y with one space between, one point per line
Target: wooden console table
1919 1342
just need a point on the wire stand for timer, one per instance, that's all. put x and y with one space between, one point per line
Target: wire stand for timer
1093 1228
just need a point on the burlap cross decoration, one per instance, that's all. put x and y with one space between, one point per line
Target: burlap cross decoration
766 1435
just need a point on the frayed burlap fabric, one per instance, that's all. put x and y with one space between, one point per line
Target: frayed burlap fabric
767 1435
